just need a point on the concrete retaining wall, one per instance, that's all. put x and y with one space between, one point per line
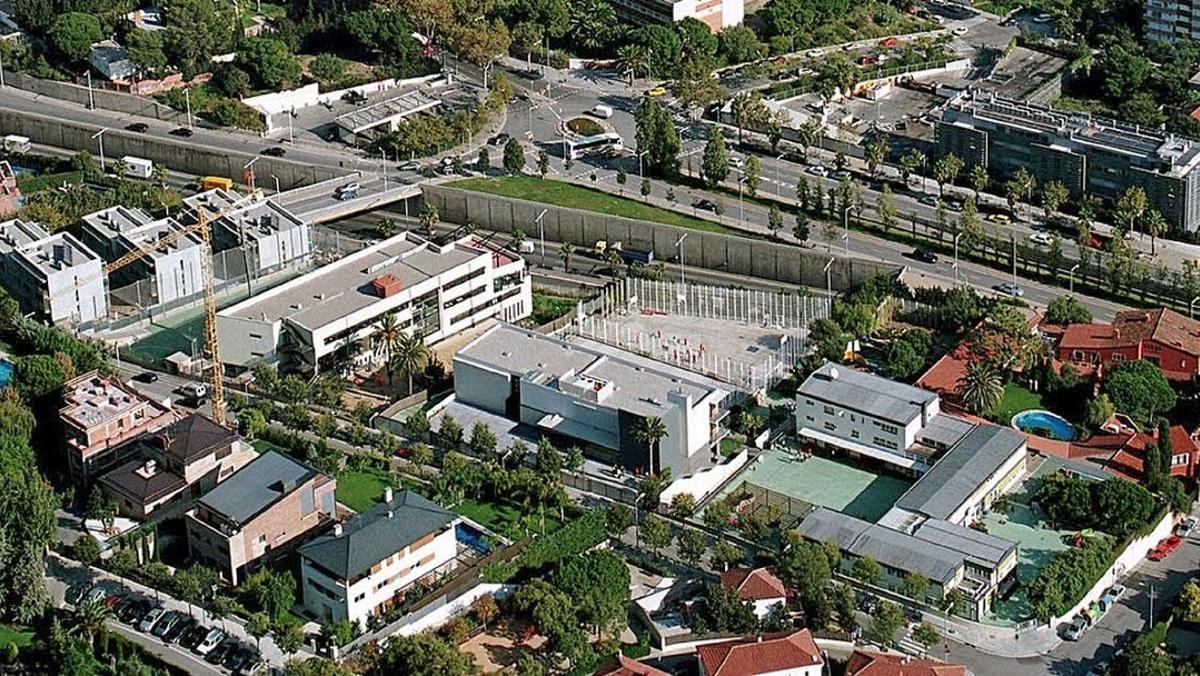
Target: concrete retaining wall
726 253
180 156
103 98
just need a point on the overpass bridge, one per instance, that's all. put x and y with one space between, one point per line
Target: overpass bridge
319 202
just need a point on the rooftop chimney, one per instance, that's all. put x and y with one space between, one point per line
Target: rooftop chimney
387 494
337 530
149 467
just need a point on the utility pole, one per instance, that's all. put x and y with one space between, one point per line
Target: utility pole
679 246
187 97
956 237
541 235
99 136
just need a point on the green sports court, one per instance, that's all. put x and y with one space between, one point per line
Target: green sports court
820 481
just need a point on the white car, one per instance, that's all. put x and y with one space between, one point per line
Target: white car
1186 527
150 619
210 642
1010 289
737 162
352 186
959 31
818 170
1041 238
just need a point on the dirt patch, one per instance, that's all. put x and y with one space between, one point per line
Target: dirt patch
501 646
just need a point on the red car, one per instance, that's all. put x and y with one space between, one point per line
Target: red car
889 42
1164 548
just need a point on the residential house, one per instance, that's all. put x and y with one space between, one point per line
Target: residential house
870 663
786 654
176 465
1163 337
111 60
100 416
174 272
1128 460
265 508
621 665
759 586
367 564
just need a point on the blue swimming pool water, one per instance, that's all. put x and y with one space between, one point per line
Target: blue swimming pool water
472 538
6 368
1045 424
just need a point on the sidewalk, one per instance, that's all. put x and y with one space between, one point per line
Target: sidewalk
999 641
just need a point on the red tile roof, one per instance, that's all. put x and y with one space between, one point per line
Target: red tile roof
762 655
754 584
1165 326
620 665
1128 461
1093 337
864 663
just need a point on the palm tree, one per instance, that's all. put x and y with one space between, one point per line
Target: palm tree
634 61
1155 225
981 387
387 336
591 23
429 217
88 618
565 253
650 431
410 357
809 134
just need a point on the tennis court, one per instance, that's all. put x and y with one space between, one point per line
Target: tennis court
824 482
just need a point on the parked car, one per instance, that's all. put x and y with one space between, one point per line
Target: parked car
1113 594
959 31
411 165
736 162
210 642
132 612
167 623
1010 289
707 205
181 629
1075 631
274 151
181 131
924 255
352 186
1098 669
193 637
138 127
928 200
218 654
1165 547
499 139
1041 238
818 170
146 377
657 91
840 174
239 659
150 619
1186 527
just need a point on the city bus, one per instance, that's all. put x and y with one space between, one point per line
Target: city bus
594 145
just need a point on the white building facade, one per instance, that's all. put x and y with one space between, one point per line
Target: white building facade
53 275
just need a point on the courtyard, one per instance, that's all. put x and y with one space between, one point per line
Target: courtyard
821 482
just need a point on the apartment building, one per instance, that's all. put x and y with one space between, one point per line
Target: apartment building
435 290
264 509
175 271
176 465
52 275
269 235
1171 20
370 562
1088 154
596 397
716 14
100 416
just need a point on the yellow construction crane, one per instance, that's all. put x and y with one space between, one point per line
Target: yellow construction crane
202 227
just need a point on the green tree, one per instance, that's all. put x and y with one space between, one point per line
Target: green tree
514 157
926 635
946 170
683 506
543 163
617 518
450 433
646 188
145 50
656 135
885 207
753 174
801 231
804 568
886 621
876 151
1067 310
981 387
327 67
715 165
979 179
867 570
739 44
727 554
656 533
916 586
901 361
385 33
86 550
1156 226
196 30
289 637
258 625
774 221
483 441
692 546
483 162
410 356
910 162
72 34
269 61
1130 206
1054 195
1139 388
1099 410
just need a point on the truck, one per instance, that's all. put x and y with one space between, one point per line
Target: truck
138 167
17 145
603 248
215 182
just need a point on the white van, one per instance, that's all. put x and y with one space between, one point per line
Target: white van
196 390
138 167
601 111
17 144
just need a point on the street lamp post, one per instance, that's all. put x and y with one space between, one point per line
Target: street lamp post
1151 594
1071 279
846 225
679 246
541 235
91 97
956 237
187 97
829 278
246 169
383 167
641 175
741 202
1013 239
99 136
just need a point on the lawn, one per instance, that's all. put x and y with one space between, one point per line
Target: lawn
547 308
505 519
30 184
1016 399
573 196
18 636
360 490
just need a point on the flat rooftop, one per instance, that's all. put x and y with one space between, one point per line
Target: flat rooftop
636 388
948 484
375 114
49 253
889 547
114 221
94 400
337 290
871 394
258 219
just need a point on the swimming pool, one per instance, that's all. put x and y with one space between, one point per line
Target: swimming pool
472 538
6 368
1045 424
